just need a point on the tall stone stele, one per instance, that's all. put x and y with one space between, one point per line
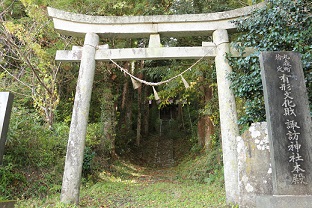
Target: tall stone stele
289 130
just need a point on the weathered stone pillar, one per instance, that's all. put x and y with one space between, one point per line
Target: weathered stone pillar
254 165
228 116
78 126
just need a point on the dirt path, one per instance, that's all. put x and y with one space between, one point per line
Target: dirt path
158 152
158 155
152 175
163 152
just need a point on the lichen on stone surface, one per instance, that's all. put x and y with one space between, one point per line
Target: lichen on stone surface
254 132
270 170
261 141
249 188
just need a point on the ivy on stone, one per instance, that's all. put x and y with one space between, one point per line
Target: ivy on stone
281 25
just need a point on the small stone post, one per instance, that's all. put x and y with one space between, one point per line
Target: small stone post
228 116
6 102
78 126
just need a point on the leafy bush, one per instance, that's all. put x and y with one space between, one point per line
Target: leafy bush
87 161
204 168
34 156
9 179
30 143
282 25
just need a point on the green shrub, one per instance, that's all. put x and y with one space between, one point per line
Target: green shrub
94 134
34 156
10 180
206 167
87 161
32 144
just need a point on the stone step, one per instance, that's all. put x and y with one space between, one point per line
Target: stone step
159 152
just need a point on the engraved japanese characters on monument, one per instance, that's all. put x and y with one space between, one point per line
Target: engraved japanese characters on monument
6 101
289 122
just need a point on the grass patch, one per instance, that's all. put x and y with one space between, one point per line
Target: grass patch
128 185
160 194
206 168
141 194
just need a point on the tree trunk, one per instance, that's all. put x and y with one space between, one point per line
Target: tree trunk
145 111
205 125
108 118
139 119
209 128
124 95
180 116
125 119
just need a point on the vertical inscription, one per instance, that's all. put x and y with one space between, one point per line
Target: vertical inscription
284 69
289 122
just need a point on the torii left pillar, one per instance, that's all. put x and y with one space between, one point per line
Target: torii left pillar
78 126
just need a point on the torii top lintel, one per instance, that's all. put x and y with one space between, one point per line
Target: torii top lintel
72 24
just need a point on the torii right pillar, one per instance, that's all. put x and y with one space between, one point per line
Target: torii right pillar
228 115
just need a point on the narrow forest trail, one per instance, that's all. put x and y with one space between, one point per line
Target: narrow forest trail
160 160
161 151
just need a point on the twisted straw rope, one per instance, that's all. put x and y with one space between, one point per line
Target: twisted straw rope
155 83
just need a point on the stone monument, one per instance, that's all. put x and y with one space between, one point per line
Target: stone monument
6 101
289 130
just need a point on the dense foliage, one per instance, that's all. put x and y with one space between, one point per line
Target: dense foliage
282 25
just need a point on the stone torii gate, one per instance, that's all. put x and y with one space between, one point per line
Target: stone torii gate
94 27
